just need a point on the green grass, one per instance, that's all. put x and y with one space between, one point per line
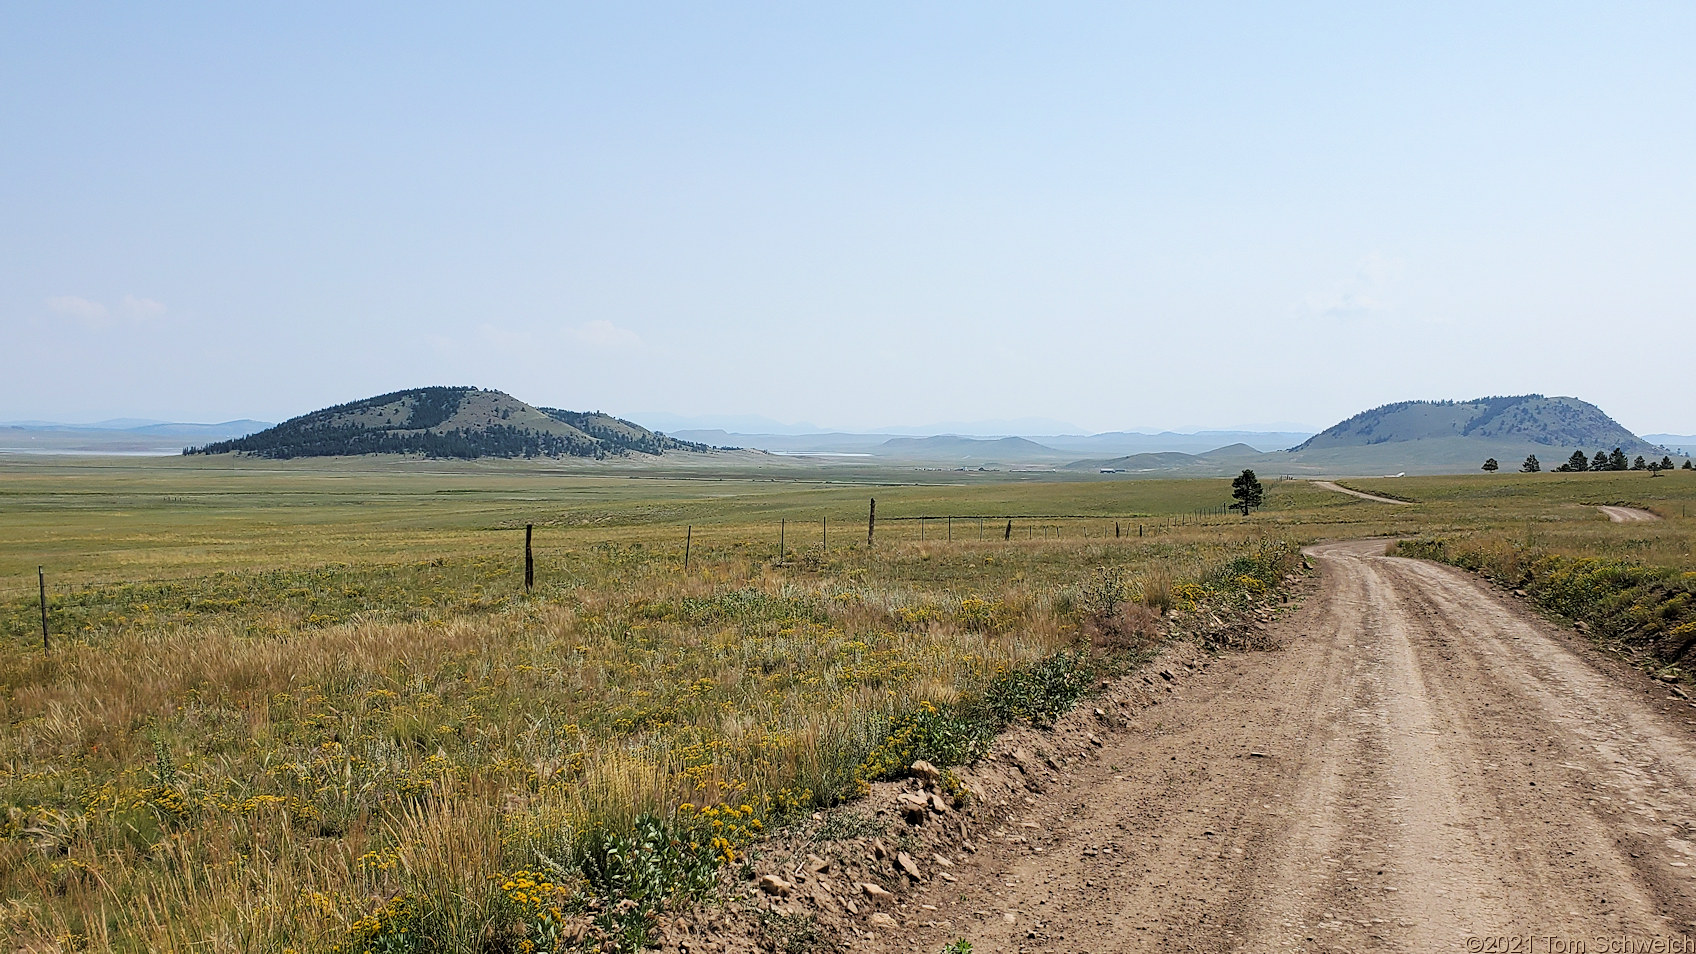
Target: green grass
118 520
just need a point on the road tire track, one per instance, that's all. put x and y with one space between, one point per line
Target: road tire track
1423 763
1339 488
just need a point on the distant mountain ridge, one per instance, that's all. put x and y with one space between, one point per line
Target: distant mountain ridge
459 422
1562 422
224 429
126 437
1035 449
968 448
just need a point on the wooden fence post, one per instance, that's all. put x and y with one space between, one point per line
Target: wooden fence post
825 534
871 524
529 559
782 526
688 538
41 577
950 529
1009 534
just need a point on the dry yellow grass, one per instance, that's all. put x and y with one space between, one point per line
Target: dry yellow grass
367 727
350 749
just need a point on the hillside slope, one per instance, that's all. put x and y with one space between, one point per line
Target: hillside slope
457 422
1529 419
1419 437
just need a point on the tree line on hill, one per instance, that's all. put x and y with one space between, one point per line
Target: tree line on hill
1603 460
421 421
494 440
627 438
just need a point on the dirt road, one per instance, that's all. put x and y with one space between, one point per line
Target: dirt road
1627 514
1339 488
1423 765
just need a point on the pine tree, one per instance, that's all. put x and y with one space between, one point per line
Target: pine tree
1578 461
1639 463
1666 463
1248 492
1600 461
1617 461
1531 465
1491 465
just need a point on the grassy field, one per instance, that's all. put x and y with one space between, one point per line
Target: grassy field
312 707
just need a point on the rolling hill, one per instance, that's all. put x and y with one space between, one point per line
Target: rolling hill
458 422
1562 422
1457 436
1418 437
972 450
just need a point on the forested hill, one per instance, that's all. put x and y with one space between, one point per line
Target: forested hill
1562 422
450 422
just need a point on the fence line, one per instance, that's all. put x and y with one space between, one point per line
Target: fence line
1027 516
1128 524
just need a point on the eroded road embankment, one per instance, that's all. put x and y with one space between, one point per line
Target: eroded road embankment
1424 763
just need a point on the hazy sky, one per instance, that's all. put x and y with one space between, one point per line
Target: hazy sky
1116 215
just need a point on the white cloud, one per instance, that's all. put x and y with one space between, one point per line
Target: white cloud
81 309
605 334
142 308
97 315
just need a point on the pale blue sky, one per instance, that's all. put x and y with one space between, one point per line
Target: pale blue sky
1108 214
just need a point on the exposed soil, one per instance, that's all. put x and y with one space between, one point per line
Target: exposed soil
1422 763
1627 514
1339 488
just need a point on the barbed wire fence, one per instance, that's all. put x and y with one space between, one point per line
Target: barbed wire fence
938 528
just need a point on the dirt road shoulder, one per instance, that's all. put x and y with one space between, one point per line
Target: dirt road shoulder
1423 763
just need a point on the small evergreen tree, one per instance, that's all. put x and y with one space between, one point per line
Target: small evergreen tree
1666 463
1578 461
1688 465
1247 491
1531 466
1600 461
1617 461
1639 463
1491 465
